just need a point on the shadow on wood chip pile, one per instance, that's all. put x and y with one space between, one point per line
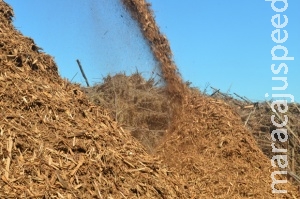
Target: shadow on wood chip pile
139 105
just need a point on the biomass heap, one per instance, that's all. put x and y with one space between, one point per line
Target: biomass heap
54 143
207 144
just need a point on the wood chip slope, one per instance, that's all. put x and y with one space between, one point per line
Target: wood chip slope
54 143
207 145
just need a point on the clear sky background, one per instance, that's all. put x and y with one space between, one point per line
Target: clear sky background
226 44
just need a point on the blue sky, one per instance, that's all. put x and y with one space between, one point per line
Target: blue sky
226 45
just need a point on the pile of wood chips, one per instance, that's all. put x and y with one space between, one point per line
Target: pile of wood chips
54 143
219 157
256 117
207 144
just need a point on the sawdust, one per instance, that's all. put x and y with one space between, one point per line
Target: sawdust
140 10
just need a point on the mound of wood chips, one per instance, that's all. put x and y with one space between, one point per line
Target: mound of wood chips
208 146
54 143
219 158
256 117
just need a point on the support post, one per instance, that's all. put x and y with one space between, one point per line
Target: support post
83 74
